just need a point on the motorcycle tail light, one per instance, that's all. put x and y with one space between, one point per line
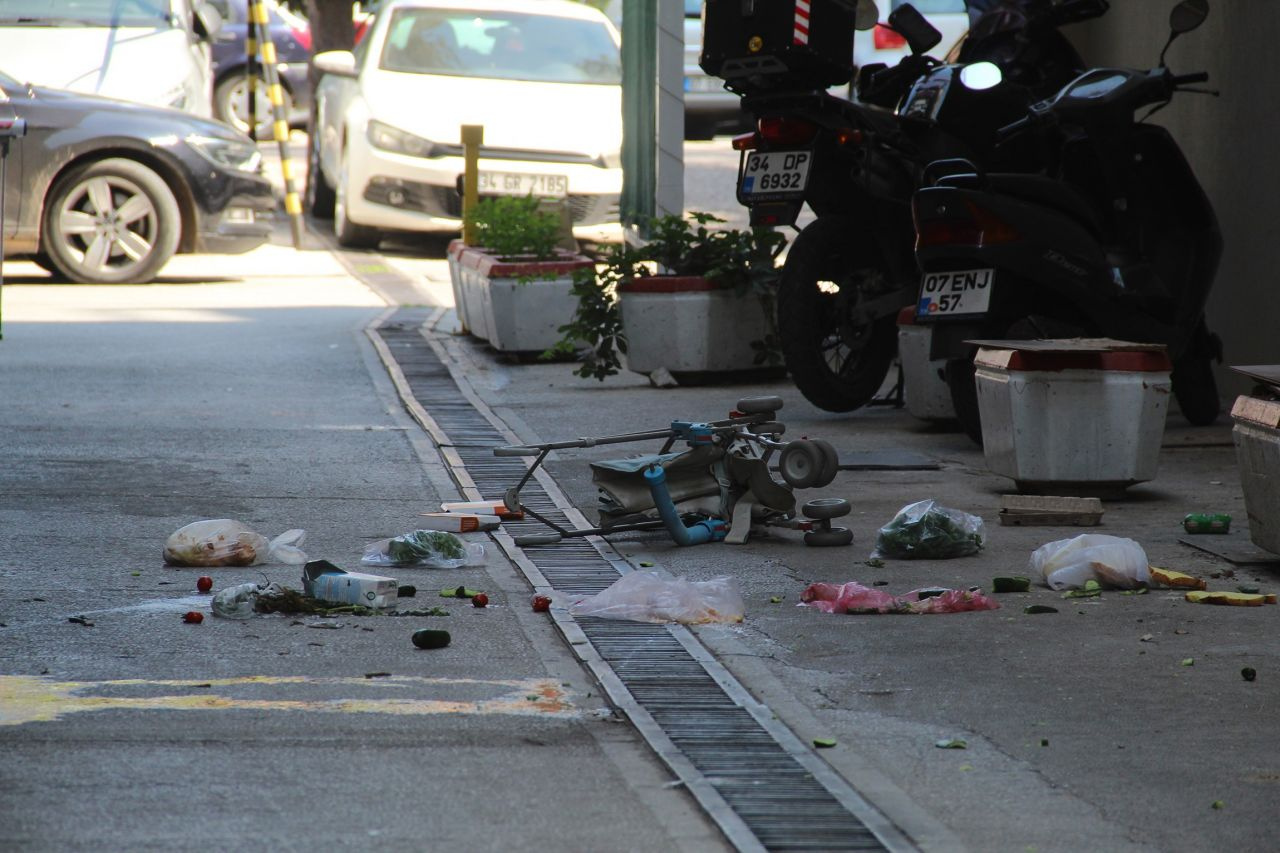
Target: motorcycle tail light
850 136
786 130
972 226
886 39
746 142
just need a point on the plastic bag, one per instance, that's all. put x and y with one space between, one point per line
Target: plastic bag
1111 560
240 601
424 549
649 597
853 597
225 542
929 531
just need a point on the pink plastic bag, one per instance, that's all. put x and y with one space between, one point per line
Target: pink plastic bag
853 597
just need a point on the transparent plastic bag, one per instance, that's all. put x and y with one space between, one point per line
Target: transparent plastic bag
649 597
225 542
240 601
424 549
926 530
1111 560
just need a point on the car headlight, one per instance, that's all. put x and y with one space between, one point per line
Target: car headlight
389 138
235 154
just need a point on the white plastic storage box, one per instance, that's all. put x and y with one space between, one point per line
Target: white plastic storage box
1079 416
689 325
1257 438
924 390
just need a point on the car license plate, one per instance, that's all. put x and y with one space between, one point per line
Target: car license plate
954 294
519 183
775 175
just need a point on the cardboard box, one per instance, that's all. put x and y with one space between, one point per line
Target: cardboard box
324 581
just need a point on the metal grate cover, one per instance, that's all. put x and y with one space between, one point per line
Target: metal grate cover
731 752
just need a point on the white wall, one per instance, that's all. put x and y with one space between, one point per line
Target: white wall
1233 143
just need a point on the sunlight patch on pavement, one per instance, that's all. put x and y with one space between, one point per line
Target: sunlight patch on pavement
28 699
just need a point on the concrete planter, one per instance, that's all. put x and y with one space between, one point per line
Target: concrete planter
1073 417
516 305
686 324
1256 434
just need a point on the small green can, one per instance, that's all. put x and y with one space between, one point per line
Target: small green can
1206 522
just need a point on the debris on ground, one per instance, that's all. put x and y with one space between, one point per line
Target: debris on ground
424 549
458 592
239 601
1177 580
824 742
854 598
775 599
1207 522
540 603
650 597
325 581
1248 673
204 583
1188 661
1111 560
1237 599
926 530
1033 609
952 743
406 591
431 638
193 617
480 600
226 542
81 620
1015 583
1048 510
1091 589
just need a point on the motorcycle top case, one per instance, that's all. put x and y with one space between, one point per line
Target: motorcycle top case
756 45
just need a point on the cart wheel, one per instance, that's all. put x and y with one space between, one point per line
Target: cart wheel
822 508
801 464
538 539
768 428
756 405
831 462
511 499
828 538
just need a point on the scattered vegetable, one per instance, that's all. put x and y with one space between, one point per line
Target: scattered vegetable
204 583
952 743
1248 673
775 599
431 638
422 545
1236 599
1039 608
459 592
479 600
406 590
824 742
541 604
1218 804
1179 580
1188 661
1015 583
929 531
193 617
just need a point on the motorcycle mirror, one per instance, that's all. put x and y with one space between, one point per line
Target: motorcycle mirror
911 25
866 15
1188 15
981 75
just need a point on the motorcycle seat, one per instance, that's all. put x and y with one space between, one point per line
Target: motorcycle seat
1046 191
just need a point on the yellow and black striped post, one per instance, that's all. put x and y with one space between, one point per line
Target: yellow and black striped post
259 27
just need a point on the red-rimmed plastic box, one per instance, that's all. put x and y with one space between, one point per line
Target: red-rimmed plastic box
1256 434
1077 416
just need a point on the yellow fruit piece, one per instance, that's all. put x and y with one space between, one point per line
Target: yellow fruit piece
1237 599
1168 577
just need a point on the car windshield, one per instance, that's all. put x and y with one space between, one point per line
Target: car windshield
502 45
84 13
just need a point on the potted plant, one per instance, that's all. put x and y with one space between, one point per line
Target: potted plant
691 300
514 288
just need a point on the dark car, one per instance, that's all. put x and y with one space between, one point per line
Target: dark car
106 191
292 39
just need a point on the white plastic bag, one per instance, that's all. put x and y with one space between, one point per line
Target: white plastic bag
649 597
240 601
225 542
1110 560
425 549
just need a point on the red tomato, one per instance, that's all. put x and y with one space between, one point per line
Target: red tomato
480 600
541 604
195 617
204 583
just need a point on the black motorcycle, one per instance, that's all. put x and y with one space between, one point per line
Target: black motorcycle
856 163
1116 239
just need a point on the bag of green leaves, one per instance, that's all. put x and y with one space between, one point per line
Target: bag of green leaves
424 549
927 530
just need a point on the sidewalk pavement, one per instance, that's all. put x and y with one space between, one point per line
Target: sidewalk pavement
1118 723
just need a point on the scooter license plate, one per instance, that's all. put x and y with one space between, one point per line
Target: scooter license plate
774 175
960 293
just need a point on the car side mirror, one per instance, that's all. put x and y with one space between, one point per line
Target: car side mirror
340 63
206 21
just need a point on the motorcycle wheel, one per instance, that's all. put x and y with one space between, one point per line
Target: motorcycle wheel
964 397
837 364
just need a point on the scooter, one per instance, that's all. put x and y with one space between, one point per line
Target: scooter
1117 239
856 163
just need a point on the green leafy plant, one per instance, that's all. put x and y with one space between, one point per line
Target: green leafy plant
515 226
742 259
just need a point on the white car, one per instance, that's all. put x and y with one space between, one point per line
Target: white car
154 52
543 77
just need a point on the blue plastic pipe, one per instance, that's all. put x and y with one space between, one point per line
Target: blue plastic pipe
711 530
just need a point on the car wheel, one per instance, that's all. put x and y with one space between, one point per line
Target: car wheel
231 104
349 234
109 222
319 195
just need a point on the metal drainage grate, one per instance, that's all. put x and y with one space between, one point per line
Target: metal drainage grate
784 797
